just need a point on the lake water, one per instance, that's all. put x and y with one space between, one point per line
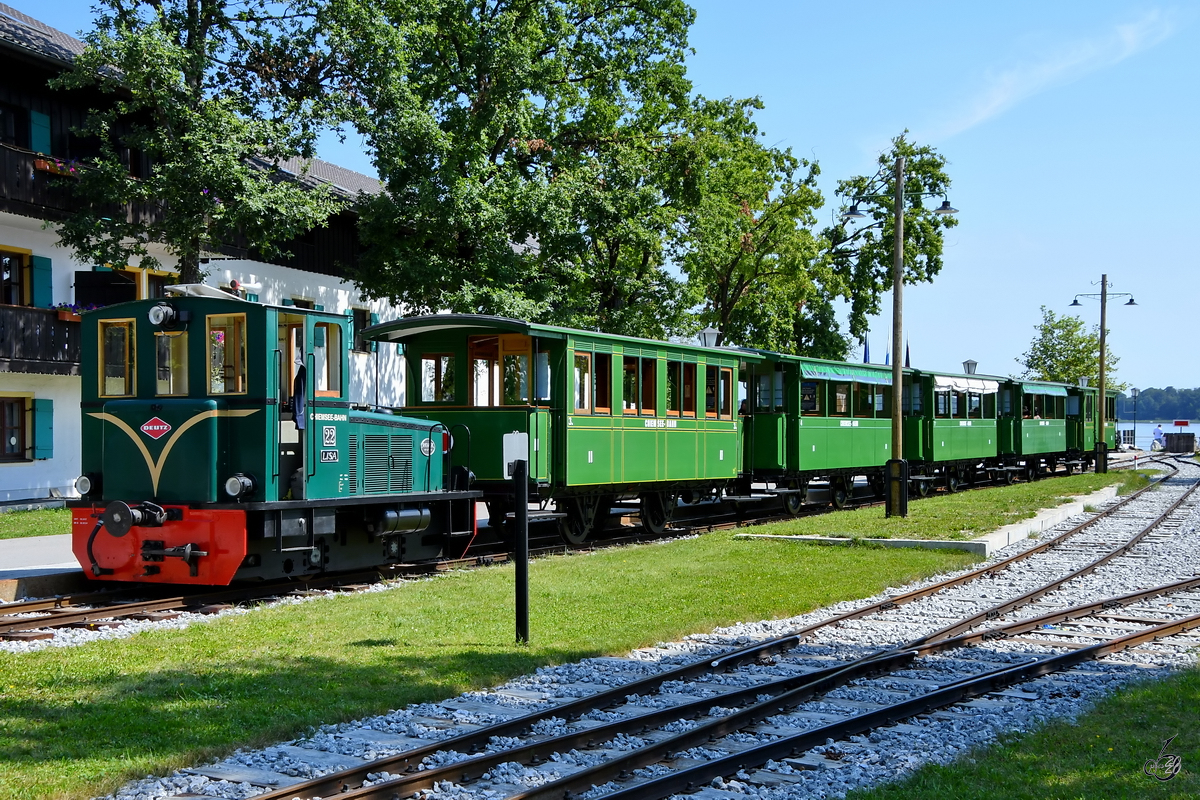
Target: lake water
1145 430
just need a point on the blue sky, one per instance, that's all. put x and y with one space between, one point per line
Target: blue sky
1068 126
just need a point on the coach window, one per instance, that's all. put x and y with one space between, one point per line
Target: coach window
629 385
603 382
674 378
726 393
810 398
689 390
988 401
171 365
437 378
710 392
883 401
583 383
841 399
483 354
864 394
327 359
227 354
941 404
116 354
974 405
1110 408
541 376
649 385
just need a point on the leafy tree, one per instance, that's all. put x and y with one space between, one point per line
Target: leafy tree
1064 350
195 85
748 246
862 253
529 152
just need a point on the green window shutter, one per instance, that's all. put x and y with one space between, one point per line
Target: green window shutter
41 285
287 301
374 321
101 268
39 132
43 428
253 298
318 307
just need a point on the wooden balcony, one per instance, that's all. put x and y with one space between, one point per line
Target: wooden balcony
35 340
34 185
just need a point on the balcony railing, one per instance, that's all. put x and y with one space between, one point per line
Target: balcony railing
32 184
36 340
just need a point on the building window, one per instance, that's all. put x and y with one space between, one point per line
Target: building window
12 416
117 358
362 321
14 278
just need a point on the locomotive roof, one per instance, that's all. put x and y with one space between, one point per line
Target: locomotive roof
404 328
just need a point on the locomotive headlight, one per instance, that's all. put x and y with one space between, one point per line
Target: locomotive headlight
162 314
239 485
84 484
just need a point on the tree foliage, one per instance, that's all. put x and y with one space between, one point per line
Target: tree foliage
527 149
862 253
193 85
1169 404
748 246
1064 350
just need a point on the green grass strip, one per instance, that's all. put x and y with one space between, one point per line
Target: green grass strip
1101 755
81 721
957 516
42 522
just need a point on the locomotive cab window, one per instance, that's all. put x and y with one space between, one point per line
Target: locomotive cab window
227 354
116 358
171 364
437 378
327 359
583 383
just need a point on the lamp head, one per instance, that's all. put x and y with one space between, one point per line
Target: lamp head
852 214
1131 302
1076 302
945 209
708 337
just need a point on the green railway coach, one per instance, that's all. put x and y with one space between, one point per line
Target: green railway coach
598 416
950 428
809 418
1033 425
219 443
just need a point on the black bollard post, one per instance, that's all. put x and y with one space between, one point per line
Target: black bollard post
897 488
520 475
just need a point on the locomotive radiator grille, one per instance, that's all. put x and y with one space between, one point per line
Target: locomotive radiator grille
387 463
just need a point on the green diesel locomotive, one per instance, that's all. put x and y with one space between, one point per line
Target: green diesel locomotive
220 444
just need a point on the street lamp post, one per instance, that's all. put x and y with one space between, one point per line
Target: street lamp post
1101 443
1134 392
897 468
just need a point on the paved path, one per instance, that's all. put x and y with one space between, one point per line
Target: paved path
36 555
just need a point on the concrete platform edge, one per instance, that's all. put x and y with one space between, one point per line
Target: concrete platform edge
985 545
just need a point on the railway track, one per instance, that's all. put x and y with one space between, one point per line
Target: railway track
40 619
795 709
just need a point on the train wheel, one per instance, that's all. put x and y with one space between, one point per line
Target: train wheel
952 480
579 522
1051 465
655 514
922 488
839 494
1068 468
793 501
1031 472
878 484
